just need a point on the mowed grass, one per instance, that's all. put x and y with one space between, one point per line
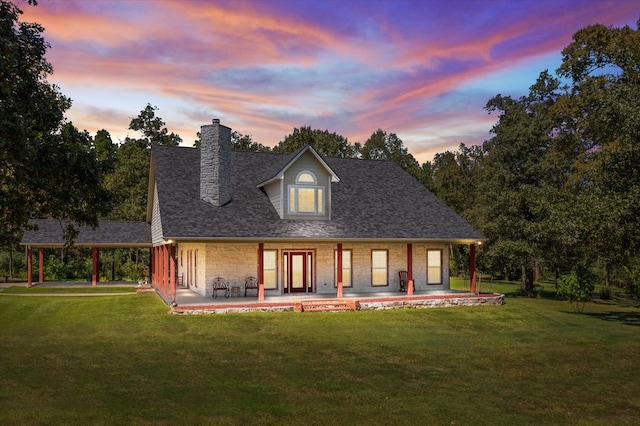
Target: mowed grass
86 289
125 360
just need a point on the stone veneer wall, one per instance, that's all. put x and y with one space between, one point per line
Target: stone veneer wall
215 163
421 303
236 261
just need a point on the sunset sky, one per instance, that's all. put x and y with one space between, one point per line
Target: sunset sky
420 69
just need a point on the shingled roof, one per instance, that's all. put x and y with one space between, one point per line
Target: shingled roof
374 200
50 233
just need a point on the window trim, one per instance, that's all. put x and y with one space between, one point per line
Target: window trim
318 198
350 269
306 172
275 269
386 268
438 267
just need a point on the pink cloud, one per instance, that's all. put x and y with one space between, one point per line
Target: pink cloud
267 67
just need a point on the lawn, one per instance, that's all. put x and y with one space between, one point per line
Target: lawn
124 360
86 289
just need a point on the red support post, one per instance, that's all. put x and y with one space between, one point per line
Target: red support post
156 262
339 271
409 269
260 271
165 250
150 270
472 267
96 265
161 268
29 266
41 265
172 272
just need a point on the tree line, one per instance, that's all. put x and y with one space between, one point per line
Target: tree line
555 189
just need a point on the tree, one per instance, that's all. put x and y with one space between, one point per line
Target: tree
240 142
454 176
328 144
383 146
106 150
47 168
517 174
559 182
603 65
130 178
153 128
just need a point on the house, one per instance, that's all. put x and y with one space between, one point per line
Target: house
298 223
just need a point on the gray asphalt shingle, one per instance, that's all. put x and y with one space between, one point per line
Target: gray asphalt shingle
108 234
373 200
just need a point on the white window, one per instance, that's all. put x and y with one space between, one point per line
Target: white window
434 266
346 268
306 197
269 269
379 268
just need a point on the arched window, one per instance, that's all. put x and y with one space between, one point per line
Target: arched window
306 197
306 177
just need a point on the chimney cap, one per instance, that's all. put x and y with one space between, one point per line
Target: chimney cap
216 121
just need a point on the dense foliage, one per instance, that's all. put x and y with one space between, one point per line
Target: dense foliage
48 168
557 187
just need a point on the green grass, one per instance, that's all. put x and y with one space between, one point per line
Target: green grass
69 290
124 360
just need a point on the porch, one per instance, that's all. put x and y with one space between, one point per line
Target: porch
189 303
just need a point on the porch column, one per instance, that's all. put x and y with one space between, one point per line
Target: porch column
158 268
260 271
409 269
156 263
41 265
165 250
472 267
96 265
29 266
172 272
339 271
161 268
149 277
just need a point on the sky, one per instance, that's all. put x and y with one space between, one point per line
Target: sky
422 69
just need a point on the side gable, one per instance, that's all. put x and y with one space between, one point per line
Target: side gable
151 189
157 236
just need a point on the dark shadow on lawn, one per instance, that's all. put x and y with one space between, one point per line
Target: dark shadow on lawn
628 318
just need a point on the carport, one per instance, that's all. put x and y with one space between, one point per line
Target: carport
109 234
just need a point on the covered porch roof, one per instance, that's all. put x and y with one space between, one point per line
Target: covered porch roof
109 233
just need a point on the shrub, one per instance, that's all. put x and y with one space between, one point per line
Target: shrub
577 287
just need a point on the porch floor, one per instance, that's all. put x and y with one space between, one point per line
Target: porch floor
187 301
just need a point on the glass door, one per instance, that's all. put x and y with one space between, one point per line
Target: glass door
298 271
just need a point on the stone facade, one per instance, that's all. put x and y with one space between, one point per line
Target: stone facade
215 164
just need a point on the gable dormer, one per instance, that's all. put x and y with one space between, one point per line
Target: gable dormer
302 188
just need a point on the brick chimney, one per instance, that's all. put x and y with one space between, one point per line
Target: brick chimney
215 163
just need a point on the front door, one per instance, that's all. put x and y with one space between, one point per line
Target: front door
299 271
